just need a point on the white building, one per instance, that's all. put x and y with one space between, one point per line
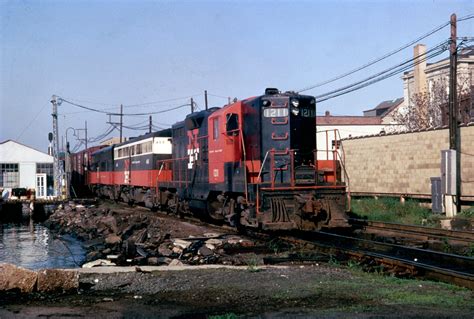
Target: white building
24 167
331 128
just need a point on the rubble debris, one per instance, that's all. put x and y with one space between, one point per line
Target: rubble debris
98 262
125 236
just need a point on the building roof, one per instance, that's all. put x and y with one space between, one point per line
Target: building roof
386 106
12 151
348 120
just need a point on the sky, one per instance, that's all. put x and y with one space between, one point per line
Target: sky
101 54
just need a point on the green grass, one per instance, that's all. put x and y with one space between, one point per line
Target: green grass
376 291
467 213
391 210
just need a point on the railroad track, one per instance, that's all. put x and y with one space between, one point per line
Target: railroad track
398 259
424 233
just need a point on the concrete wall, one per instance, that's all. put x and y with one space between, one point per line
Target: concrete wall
404 163
345 131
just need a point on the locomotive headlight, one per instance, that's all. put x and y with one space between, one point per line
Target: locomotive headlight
295 103
266 103
295 112
313 101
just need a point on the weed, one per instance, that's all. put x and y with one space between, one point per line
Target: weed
252 265
333 261
277 245
391 210
446 246
354 265
470 251
467 213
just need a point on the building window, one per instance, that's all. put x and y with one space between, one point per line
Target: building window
44 168
9 175
215 125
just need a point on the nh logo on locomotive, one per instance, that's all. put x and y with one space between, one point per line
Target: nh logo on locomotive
193 156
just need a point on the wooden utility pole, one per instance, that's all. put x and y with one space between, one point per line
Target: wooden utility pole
150 124
454 140
121 121
205 98
453 116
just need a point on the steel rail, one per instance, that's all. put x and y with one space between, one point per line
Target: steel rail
416 231
450 268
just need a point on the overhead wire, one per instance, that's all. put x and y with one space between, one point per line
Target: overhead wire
31 122
372 79
383 57
440 48
123 114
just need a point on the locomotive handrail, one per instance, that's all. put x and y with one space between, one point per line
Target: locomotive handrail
261 167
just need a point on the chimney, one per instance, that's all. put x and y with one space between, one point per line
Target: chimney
327 113
419 74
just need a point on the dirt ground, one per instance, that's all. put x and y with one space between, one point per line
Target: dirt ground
324 291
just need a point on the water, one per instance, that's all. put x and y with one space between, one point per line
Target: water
33 246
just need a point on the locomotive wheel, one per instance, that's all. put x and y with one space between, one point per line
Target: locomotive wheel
214 210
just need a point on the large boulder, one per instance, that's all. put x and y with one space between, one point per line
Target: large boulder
17 278
57 280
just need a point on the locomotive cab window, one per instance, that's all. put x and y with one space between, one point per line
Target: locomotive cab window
232 124
215 128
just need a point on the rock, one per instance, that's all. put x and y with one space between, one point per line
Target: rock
204 251
234 241
129 248
247 243
181 243
177 250
210 246
98 262
57 280
212 235
113 240
176 262
215 242
154 261
13 277
109 222
164 250
93 255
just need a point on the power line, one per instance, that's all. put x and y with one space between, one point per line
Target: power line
384 56
124 114
31 122
409 61
376 78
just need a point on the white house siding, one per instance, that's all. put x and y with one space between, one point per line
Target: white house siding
27 175
26 157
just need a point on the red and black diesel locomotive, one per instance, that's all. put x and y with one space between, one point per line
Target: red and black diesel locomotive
252 162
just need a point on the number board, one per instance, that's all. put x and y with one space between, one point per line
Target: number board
275 112
308 112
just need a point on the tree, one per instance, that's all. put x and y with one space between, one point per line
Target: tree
430 109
